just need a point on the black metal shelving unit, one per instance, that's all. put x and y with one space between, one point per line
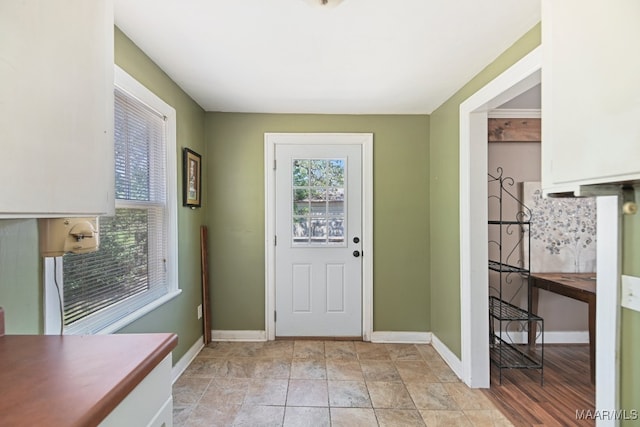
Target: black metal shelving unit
510 317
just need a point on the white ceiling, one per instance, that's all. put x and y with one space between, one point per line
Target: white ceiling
361 57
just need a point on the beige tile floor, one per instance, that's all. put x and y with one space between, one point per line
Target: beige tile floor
326 383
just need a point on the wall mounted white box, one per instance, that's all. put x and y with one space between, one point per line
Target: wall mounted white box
630 297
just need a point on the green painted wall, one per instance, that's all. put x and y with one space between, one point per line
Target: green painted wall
20 276
444 185
235 167
21 265
630 332
178 315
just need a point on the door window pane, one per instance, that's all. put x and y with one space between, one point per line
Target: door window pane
318 231
317 172
318 201
300 202
300 230
335 173
300 173
336 230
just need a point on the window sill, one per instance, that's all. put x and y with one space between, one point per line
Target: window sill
127 320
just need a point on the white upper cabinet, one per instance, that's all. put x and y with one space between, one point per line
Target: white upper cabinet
590 93
56 108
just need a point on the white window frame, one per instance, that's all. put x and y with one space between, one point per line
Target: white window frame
53 298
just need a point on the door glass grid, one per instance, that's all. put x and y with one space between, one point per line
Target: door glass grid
318 202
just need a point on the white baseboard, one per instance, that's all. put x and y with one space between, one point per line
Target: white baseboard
566 337
447 355
238 335
378 337
401 337
186 359
551 337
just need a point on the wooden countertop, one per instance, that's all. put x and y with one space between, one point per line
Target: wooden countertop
51 380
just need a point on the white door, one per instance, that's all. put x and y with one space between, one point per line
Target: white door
318 274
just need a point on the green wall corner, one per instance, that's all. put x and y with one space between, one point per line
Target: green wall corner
444 193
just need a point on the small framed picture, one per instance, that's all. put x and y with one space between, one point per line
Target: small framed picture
191 178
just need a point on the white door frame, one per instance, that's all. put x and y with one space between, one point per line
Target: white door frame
365 140
474 286
474 290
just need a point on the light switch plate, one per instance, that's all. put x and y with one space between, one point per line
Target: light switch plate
630 297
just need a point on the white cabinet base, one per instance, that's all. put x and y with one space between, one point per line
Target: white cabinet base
149 404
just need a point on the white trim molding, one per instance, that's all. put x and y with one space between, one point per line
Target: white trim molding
248 336
609 268
447 355
550 337
366 141
515 113
186 359
396 337
474 286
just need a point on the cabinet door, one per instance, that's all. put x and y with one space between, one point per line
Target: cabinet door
590 93
56 107
149 404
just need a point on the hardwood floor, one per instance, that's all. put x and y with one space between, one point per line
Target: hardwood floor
567 388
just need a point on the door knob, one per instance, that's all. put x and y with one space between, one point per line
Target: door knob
356 254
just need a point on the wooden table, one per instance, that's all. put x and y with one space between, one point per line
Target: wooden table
579 286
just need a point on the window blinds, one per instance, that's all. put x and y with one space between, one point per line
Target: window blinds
128 270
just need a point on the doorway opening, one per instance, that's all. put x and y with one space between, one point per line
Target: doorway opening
522 76
542 253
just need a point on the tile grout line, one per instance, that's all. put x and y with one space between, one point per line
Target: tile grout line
260 354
